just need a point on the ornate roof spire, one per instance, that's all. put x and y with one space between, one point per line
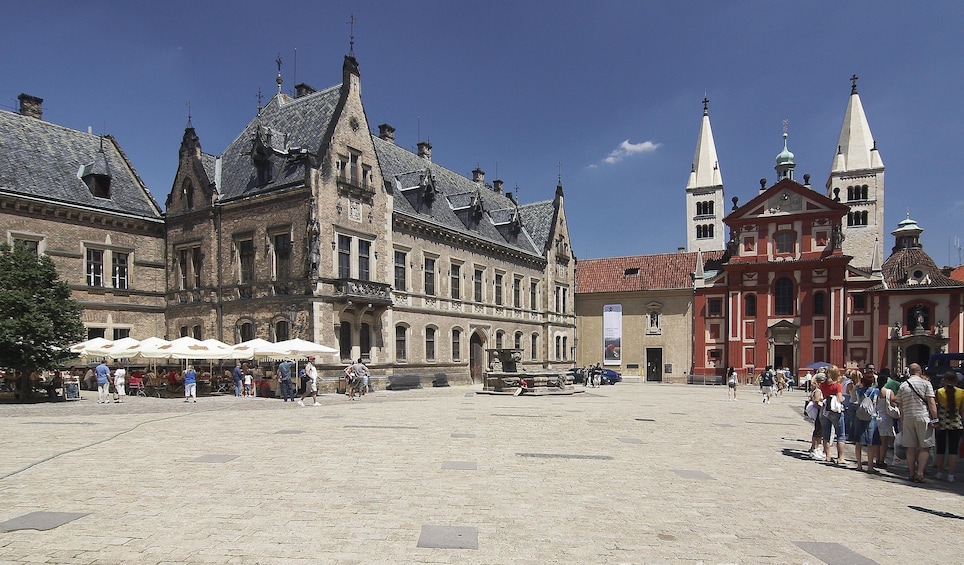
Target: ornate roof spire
705 169
278 79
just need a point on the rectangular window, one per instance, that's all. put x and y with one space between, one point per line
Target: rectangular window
31 245
119 278
364 259
430 276
182 274
344 257
246 255
533 289
282 256
535 346
714 307
498 289
477 285
456 282
400 343
197 265
784 242
196 332
95 268
517 293
400 259
96 332
430 344
859 328
121 333
860 302
456 345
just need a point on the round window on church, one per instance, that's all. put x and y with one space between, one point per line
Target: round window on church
918 274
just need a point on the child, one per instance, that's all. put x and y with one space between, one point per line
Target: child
248 383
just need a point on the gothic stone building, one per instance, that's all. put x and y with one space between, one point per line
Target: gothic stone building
309 226
75 197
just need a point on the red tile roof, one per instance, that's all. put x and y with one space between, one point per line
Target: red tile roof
654 272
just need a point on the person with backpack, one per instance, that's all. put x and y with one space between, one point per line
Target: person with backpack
766 384
950 413
865 423
731 383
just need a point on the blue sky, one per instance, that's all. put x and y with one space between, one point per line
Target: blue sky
611 90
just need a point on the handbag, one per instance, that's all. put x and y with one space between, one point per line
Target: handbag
892 411
811 411
835 405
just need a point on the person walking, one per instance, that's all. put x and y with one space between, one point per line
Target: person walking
190 384
731 384
950 412
238 375
918 418
766 384
119 377
360 380
103 383
311 378
284 379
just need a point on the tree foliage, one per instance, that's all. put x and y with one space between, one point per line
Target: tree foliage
38 318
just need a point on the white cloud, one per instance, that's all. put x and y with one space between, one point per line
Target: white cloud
627 149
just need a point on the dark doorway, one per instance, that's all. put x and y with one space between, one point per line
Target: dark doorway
654 364
783 357
476 358
919 354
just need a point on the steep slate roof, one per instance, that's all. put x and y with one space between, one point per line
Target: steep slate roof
666 271
404 169
537 218
294 123
896 267
42 160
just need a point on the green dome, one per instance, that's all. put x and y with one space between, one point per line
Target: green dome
785 157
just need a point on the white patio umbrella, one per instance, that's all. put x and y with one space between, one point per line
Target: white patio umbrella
123 348
301 348
153 348
189 348
84 348
258 348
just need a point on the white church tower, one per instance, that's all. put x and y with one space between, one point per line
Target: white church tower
704 194
857 180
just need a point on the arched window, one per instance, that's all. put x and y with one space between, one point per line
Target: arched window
749 305
187 189
783 297
565 347
498 339
456 344
400 343
430 344
819 304
535 346
246 331
518 340
558 348
281 330
344 340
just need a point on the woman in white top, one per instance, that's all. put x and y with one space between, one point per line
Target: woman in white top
119 375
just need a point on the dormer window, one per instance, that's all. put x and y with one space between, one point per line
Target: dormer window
98 185
263 169
187 191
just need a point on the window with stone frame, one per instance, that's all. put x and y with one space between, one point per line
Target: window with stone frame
197 265
784 297
456 344
401 338
714 307
245 261
401 265
30 244
517 292
344 257
121 333
430 343
477 285
749 305
534 346
783 242
497 287
364 259
499 335
819 303
533 294
95 268
119 270
281 251
429 272
455 281
245 331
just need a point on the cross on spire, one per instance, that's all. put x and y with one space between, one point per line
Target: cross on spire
706 105
786 126
351 37
278 79
189 114
853 84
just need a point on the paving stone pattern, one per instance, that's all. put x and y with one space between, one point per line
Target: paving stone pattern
155 481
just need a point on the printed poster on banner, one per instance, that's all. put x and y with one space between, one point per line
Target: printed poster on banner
612 334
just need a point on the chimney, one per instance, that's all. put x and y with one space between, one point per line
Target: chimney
31 106
511 197
386 132
425 150
497 186
478 175
302 89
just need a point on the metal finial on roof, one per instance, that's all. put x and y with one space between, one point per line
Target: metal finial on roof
279 80
259 101
786 126
189 124
559 165
351 37
853 84
706 105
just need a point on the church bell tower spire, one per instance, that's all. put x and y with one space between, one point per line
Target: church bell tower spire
704 193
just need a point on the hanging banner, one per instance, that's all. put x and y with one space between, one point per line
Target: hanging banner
612 334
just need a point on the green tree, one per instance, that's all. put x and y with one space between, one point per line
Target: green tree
38 318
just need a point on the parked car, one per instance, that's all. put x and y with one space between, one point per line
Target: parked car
609 377
578 374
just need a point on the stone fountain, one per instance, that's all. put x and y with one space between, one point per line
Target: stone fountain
503 376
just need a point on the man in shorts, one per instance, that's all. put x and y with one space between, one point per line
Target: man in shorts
918 419
311 380
359 381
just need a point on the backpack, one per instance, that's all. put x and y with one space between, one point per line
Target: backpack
867 409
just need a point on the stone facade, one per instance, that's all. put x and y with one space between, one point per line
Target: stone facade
309 226
75 197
